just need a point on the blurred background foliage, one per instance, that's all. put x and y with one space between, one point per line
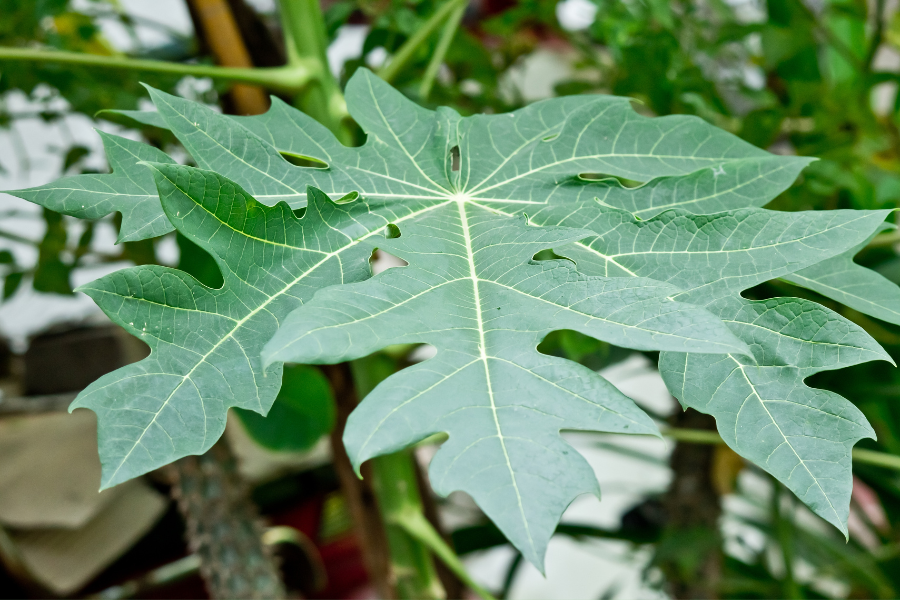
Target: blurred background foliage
809 77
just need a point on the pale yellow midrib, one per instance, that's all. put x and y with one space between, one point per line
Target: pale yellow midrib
470 257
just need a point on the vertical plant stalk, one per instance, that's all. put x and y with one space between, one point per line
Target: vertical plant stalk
224 39
396 487
453 583
440 51
414 573
690 553
223 527
306 41
358 493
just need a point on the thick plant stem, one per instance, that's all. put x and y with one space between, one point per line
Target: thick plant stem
414 572
404 55
306 40
440 51
223 527
290 79
417 526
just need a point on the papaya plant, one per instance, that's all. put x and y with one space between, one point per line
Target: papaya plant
474 206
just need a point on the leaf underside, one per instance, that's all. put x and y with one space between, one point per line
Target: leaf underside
655 270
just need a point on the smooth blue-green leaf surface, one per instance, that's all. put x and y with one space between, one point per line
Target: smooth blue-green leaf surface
853 285
801 435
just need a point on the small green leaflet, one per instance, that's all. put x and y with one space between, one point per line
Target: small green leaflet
801 435
853 285
433 175
129 189
471 292
764 411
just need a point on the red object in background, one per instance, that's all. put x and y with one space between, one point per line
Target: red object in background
342 558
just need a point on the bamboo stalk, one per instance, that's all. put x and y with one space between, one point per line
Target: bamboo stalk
227 46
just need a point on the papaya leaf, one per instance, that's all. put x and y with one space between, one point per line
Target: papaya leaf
129 190
801 435
764 411
473 293
458 190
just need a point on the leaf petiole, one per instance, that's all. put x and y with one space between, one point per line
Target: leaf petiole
291 79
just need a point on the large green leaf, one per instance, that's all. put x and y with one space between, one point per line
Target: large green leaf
429 173
764 411
205 343
471 291
510 162
707 256
741 183
129 189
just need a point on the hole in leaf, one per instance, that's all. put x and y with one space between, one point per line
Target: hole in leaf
199 263
382 261
549 254
551 137
454 158
421 352
392 232
627 183
590 352
347 198
298 160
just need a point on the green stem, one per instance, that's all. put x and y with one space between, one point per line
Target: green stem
306 40
404 55
441 51
394 481
877 34
397 491
290 79
860 455
692 436
416 525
